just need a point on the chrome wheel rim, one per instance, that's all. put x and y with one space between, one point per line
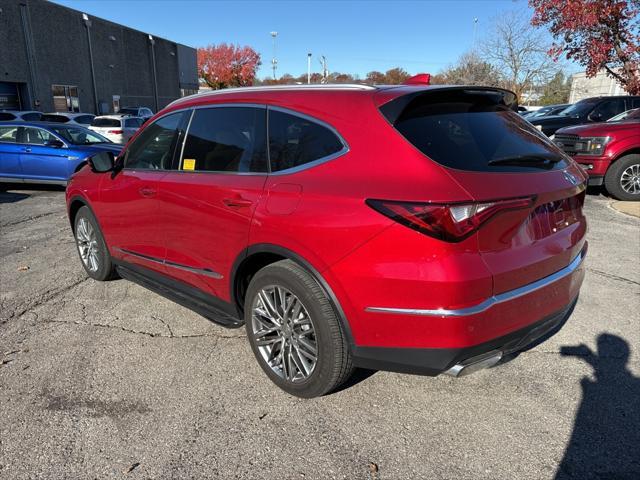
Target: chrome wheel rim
87 244
284 333
630 179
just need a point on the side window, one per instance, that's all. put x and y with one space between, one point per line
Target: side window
635 102
6 116
294 141
8 134
154 147
84 119
36 136
608 109
226 139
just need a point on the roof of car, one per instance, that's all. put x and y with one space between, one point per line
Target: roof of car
69 114
12 123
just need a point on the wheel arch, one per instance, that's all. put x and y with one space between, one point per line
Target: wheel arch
258 256
630 151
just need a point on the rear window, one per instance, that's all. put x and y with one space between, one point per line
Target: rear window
296 140
473 130
31 117
54 118
105 122
84 119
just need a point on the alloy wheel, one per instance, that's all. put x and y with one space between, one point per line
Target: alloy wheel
87 244
630 179
284 333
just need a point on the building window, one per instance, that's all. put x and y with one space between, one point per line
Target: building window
188 91
65 98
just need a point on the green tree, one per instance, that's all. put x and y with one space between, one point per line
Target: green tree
556 91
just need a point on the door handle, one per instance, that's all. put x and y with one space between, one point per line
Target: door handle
237 202
26 149
147 191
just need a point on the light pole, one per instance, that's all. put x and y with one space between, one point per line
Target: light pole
274 61
308 68
475 32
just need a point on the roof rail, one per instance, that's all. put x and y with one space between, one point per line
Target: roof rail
313 86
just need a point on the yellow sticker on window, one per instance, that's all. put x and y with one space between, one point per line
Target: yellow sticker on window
189 164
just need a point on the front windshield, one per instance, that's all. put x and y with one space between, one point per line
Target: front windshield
80 136
578 109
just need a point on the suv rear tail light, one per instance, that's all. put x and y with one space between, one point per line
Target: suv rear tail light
448 222
115 132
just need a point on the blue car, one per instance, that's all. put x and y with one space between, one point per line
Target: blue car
39 152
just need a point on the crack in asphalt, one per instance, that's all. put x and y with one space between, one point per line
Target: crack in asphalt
612 276
28 219
41 299
141 332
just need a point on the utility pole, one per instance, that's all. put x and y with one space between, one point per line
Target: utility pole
475 33
308 68
274 61
325 70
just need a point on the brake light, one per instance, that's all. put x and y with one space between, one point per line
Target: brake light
115 132
448 222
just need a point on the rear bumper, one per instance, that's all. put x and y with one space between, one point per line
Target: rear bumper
434 361
504 323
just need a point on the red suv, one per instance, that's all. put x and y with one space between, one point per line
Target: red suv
609 152
408 228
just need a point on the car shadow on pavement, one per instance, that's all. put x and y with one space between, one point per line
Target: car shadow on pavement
12 197
605 442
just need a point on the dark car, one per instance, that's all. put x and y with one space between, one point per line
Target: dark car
446 234
142 112
589 110
38 152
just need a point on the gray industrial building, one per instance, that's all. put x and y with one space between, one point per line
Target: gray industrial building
53 58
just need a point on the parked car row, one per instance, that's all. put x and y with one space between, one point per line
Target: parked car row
46 152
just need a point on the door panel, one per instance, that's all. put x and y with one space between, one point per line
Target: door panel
41 162
128 206
130 218
9 153
208 204
205 223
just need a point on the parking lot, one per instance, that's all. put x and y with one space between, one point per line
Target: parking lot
108 380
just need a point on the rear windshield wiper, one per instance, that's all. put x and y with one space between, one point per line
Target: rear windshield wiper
526 160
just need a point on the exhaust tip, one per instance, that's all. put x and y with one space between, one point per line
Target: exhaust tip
473 364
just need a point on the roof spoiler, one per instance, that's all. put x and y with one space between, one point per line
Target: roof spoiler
419 79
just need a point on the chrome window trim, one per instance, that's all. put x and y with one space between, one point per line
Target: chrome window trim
345 146
198 271
491 301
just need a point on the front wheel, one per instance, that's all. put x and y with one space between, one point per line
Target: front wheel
294 331
92 248
622 179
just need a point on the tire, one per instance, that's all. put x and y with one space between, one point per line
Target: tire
91 246
622 179
312 321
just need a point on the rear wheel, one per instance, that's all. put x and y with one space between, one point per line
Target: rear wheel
92 248
622 179
294 331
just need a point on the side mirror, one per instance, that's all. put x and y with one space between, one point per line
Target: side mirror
55 143
102 162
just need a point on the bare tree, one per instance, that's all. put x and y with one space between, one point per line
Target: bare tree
470 69
519 52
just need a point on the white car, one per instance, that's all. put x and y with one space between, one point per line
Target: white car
68 118
117 128
20 115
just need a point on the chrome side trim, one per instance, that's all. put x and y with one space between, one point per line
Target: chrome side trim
489 302
198 271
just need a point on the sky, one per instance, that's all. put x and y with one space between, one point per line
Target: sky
355 36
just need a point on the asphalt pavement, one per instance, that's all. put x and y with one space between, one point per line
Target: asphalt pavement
109 380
